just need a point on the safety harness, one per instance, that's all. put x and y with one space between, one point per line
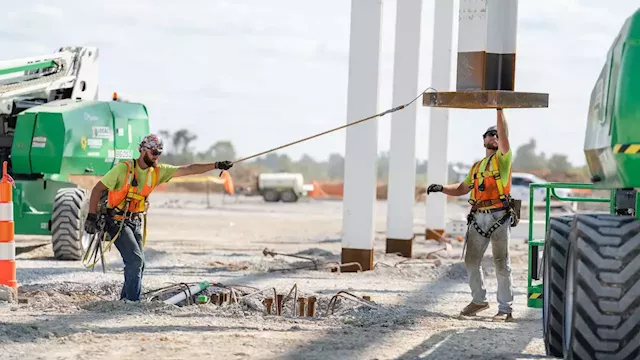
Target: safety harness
489 206
121 208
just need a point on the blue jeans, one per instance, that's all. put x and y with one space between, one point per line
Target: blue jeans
129 244
476 247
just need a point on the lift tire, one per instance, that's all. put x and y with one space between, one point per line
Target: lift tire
602 311
556 244
69 213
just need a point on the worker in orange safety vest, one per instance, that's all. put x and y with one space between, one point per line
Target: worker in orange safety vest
493 213
127 186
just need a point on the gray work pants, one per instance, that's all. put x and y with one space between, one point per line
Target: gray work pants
477 246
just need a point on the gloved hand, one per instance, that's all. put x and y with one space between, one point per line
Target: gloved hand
224 165
434 188
90 223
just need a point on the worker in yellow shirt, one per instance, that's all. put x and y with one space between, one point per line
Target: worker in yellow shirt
127 186
490 219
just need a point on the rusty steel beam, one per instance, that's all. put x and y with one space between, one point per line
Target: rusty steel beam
486 99
486 61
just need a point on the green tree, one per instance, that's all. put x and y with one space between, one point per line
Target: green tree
559 164
526 158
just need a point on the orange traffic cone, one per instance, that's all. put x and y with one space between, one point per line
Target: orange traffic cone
7 245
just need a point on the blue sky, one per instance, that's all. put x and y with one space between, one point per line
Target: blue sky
263 73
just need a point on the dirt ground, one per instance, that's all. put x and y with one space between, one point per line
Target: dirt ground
74 313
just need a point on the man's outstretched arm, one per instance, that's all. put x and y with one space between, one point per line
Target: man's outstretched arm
201 168
451 189
503 132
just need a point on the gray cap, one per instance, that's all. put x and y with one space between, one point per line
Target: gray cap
491 128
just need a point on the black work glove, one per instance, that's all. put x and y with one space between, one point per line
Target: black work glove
90 223
224 165
434 188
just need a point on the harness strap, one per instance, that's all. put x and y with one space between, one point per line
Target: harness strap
496 176
493 227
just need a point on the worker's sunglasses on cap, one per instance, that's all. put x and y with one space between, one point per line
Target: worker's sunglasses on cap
490 133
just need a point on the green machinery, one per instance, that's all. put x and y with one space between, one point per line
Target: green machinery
585 273
54 127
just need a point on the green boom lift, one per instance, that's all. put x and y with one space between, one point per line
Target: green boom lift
53 126
585 273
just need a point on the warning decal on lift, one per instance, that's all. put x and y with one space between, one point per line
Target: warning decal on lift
39 141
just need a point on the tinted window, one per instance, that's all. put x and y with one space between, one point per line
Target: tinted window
517 181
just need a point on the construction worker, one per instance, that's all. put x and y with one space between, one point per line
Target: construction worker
130 182
490 219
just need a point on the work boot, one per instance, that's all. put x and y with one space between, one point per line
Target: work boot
502 317
474 308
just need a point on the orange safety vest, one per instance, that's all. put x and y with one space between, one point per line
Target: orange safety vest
488 187
118 199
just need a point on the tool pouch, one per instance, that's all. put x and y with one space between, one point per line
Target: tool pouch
514 208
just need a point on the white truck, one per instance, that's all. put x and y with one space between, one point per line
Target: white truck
285 187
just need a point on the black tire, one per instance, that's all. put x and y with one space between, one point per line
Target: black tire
602 311
69 213
288 196
556 243
271 195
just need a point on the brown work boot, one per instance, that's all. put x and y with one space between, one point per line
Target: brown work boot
473 308
502 317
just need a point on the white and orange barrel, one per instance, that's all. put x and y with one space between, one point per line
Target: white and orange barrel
7 244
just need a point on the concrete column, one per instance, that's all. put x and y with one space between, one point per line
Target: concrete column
362 139
402 151
437 161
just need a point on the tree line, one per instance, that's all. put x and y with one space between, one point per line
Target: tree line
179 150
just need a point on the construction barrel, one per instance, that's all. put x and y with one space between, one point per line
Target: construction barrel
7 244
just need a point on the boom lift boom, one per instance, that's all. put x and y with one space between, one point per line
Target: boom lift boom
53 126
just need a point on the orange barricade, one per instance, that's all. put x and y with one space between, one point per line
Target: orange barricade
7 244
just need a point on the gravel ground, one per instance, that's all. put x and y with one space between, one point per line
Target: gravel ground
74 313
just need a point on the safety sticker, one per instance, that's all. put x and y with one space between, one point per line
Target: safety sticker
101 132
39 141
626 148
95 143
124 154
110 155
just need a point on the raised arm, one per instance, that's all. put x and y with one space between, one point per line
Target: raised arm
503 132
201 168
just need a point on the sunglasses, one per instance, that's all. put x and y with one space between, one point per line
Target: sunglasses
490 133
156 152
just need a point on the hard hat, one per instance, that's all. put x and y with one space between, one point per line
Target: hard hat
151 142
490 129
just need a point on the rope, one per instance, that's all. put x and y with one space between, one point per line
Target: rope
400 107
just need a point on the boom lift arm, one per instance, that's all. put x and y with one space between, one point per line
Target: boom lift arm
69 73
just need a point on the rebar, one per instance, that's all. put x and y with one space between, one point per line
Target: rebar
420 259
295 297
268 302
266 252
311 306
301 302
338 267
279 299
333 301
